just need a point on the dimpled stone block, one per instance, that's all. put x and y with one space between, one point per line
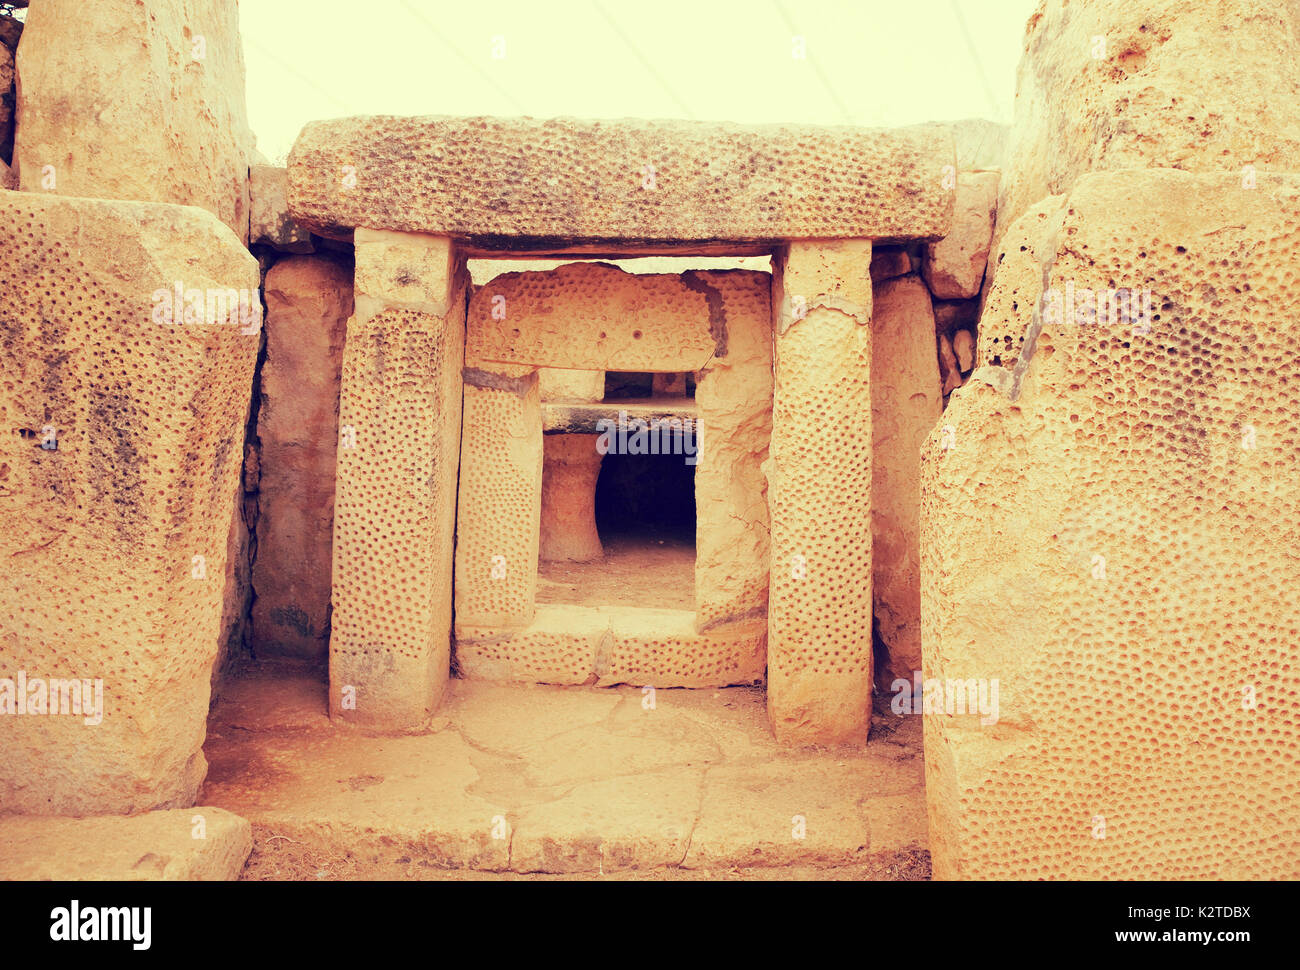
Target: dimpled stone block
593 316
734 401
115 535
609 645
126 99
1117 84
498 519
563 178
1111 532
662 648
819 495
395 495
906 402
559 646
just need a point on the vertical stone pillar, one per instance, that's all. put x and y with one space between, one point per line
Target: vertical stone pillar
499 516
819 493
395 497
734 401
569 473
570 469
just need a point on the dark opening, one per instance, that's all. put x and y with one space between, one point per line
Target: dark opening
646 498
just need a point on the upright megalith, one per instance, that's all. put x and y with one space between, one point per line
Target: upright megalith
128 338
1109 534
308 302
395 493
135 99
819 661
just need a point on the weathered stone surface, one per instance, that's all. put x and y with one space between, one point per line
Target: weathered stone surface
1200 87
556 780
308 302
8 177
563 384
7 98
819 495
116 530
963 346
981 144
395 492
886 263
498 516
269 223
949 371
609 645
197 844
136 100
906 401
570 468
954 266
593 316
566 179
1111 533
1027 246
953 315
734 402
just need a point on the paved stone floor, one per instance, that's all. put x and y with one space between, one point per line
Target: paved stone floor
560 782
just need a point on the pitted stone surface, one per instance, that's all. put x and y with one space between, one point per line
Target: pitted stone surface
567 179
596 317
395 494
115 537
1116 84
819 486
1111 532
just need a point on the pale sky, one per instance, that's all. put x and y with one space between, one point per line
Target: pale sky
867 62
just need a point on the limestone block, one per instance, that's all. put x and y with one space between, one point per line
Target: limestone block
594 316
571 466
1111 534
395 493
662 648
906 402
308 302
949 370
1200 87
609 645
119 477
490 178
954 266
268 221
498 518
195 844
127 99
559 646
886 263
981 144
734 404
963 346
562 384
819 495
1026 247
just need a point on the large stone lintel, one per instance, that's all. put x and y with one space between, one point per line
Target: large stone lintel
554 184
